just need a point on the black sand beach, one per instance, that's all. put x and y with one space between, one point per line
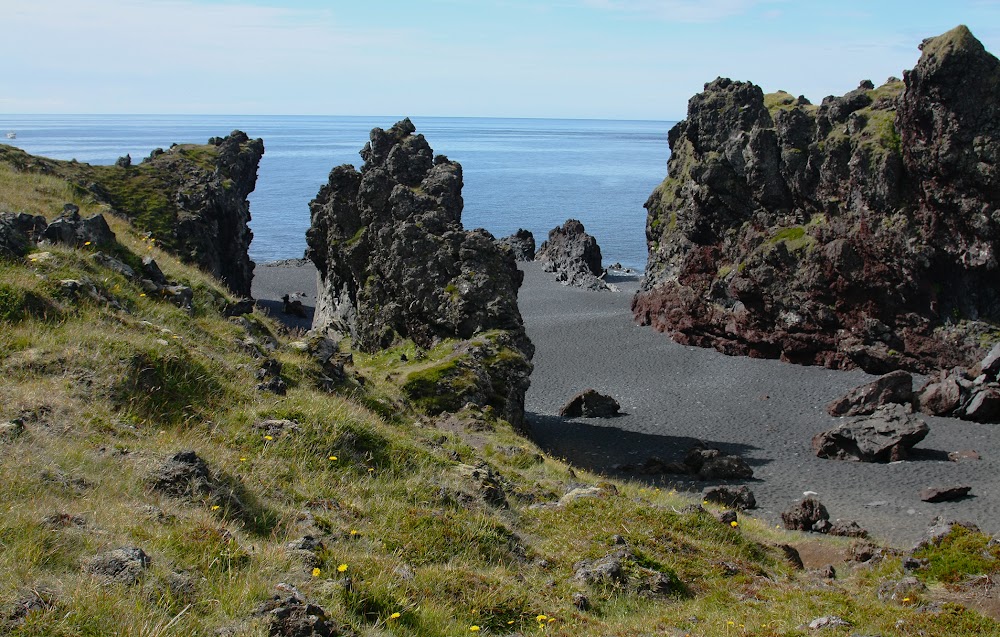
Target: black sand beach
672 395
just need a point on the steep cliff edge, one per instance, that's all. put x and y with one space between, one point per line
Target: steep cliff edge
192 198
396 265
862 232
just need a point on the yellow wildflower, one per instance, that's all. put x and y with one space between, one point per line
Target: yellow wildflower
332 458
268 438
474 628
394 616
734 524
316 572
86 243
354 531
541 618
342 568
215 507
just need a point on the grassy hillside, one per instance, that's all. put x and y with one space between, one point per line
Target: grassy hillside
387 519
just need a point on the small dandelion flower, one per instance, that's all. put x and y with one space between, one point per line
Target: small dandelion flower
510 623
341 568
730 623
86 243
332 458
474 628
354 532
370 470
268 437
541 618
142 294
316 572
215 507
243 459
551 619
906 599
394 616
704 502
734 524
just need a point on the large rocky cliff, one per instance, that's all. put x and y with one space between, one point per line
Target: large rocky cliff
396 265
862 232
192 198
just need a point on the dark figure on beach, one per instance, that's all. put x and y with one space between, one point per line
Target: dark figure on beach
293 307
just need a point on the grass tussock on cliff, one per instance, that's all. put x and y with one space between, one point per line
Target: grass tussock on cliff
388 520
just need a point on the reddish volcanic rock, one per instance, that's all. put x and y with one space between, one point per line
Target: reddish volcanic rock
862 232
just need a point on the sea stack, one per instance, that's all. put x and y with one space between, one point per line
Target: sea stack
862 232
395 265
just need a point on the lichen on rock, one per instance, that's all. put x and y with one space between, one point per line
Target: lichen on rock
860 232
395 264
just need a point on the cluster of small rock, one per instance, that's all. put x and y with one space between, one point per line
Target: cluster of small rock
810 515
20 233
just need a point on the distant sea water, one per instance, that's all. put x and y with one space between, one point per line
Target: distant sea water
519 173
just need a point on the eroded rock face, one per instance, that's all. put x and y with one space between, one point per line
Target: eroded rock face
862 232
396 264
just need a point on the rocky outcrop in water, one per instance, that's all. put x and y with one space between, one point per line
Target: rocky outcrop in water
396 265
574 256
862 232
192 199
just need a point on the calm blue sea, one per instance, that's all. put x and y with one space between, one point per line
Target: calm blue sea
519 173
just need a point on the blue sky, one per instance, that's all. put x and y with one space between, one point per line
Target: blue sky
618 59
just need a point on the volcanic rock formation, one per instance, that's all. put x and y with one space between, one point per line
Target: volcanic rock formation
862 232
192 199
574 256
395 264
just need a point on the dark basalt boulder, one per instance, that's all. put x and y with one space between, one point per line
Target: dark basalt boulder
394 264
574 256
944 494
894 387
590 404
740 498
69 228
19 232
885 436
804 515
861 232
521 243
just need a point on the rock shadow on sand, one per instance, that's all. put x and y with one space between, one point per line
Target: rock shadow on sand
608 450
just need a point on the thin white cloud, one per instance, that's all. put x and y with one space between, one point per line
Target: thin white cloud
681 10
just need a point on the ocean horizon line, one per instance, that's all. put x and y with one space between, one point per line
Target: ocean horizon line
318 116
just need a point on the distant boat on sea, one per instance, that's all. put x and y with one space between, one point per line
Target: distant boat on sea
12 135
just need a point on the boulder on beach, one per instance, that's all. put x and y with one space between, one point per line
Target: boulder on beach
590 404
804 515
574 256
395 265
894 387
847 234
885 436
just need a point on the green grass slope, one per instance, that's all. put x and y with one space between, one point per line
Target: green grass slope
415 524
